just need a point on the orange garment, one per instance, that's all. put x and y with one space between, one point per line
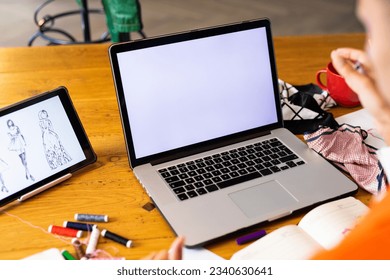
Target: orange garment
369 240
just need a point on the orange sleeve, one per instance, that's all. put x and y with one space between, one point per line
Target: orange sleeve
369 240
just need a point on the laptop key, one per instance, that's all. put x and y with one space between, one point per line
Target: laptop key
179 190
177 184
291 164
201 191
165 174
189 187
192 194
172 179
288 158
189 180
275 169
208 182
265 172
238 180
217 179
212 188
242 172
175 172
182 196
198 184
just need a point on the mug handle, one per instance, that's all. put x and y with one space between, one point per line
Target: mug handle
318 78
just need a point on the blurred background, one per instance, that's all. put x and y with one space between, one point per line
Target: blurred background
288 17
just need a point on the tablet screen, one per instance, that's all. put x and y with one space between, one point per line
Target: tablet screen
41 139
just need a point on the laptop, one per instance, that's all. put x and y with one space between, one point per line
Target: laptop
204 132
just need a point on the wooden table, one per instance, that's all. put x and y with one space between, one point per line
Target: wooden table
109 187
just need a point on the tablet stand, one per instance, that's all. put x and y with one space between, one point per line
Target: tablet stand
44 187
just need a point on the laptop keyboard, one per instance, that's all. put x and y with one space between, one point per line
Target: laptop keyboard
212 173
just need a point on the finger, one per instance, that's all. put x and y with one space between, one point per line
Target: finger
151 256
360 83
345 59
176 250
344 67
162 255
353 55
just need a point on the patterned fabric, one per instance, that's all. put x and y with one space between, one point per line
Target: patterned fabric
345 148
304 107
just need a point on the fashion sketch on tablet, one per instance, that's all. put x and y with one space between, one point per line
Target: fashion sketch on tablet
18 144
55 153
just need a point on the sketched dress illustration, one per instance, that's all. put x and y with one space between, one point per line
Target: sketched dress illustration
55 153
18 144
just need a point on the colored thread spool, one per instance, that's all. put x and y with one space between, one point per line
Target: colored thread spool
67 255
65 231
117 238
91 218
93 240
78 247
79 226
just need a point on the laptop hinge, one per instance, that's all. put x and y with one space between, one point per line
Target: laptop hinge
200 148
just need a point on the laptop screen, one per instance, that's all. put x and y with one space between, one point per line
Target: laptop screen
187 92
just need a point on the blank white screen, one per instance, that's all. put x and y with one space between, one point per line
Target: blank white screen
188 92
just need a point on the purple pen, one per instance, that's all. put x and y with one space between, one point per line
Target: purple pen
250 237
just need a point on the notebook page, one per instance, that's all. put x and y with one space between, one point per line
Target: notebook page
330 222
286 243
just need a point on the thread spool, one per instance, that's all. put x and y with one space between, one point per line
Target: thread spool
117 238
65 231
78 247
93 240
91 218
67 255
79 226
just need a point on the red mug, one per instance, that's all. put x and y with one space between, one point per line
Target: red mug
337 87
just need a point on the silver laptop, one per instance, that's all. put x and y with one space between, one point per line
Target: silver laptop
204 132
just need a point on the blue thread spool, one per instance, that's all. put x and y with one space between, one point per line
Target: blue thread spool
79 226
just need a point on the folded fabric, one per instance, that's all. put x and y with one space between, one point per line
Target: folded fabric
304 107
345 148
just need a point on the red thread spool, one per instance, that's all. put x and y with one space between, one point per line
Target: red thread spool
65 231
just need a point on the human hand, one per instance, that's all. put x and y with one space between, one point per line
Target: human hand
364 84
175 252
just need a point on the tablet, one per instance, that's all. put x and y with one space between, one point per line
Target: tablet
42 143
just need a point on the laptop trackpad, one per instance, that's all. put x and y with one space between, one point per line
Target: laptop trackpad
263 198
